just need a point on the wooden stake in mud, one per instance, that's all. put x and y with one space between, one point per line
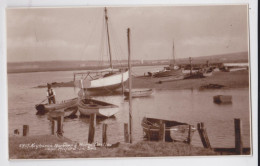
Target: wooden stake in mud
190 65
91 131
162 132
189 135
203 135
52 126
126 135
25 130
122 82
130 87
60 120
104 134
238 136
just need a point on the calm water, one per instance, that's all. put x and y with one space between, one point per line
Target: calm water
189 106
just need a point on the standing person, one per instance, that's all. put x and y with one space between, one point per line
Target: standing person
50 94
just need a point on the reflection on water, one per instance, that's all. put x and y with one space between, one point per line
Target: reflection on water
190 106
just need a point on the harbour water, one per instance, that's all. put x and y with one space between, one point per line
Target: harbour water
190 106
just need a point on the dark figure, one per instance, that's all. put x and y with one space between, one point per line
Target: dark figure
50 94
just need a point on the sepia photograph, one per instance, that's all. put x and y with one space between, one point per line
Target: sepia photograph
128 81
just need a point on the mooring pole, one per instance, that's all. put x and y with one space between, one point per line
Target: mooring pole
126 135
238 136
91 131
25 130
130 86
104 134
190 65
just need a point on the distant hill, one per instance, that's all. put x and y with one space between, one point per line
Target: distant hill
223 58
21 67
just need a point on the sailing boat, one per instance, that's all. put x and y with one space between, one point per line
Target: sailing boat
172 70
109 79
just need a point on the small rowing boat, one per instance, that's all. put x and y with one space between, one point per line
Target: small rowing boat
139 92
44 108
226 99
100 108
174 131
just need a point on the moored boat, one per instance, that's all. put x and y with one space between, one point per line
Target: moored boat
172 70
225 99
207 74
44 108
174 131
139 92
103 80
100 108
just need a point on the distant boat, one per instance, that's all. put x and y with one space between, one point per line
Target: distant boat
174 131
172 78
171 70
138 92
225 99
45 108
208 72
100 108
104 80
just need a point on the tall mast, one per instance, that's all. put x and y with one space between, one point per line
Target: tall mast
108 39
173 54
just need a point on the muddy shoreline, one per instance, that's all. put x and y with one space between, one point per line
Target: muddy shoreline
226 80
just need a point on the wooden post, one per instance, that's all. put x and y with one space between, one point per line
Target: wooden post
189 135
60 126
126 135
130 87
162 132
92 125
52 126
203 135
190 66
25 130
238 136
149 133
122 82
104 134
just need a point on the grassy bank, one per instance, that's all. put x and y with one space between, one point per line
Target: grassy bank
38 147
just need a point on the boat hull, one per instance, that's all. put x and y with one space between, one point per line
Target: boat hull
44 108
108 83
102 109
225 99
207 74
174 131
174 73
139 92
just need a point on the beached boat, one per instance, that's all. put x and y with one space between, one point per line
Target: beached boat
171 70
44 108
208 71
222 99
100 108
174 131
103 80
172 78
138 92
207 74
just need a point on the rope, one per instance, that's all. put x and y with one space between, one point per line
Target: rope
90 34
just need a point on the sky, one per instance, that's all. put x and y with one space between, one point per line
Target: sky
54 34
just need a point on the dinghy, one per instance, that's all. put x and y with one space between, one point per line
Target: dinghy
138 92
100 108
44 108
174 131
225 99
